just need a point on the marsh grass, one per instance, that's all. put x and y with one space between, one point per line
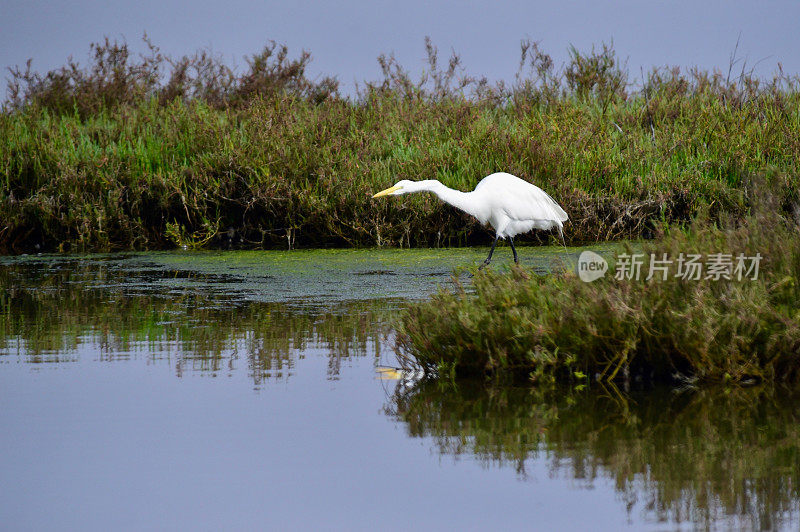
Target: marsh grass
560 328
153 152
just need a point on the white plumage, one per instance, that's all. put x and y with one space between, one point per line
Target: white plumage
509 204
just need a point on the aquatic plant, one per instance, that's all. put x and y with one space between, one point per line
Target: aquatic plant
669 327
151 152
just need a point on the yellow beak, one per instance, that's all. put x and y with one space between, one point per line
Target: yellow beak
386 192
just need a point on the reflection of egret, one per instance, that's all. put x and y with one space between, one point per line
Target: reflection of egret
511 205
386 373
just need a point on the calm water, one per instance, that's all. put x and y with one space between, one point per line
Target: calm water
239 391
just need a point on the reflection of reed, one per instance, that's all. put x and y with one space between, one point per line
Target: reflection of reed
46 315
699 457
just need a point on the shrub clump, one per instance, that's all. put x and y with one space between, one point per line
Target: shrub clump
115 77
560 328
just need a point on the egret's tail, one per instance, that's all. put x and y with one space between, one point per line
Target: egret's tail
559 213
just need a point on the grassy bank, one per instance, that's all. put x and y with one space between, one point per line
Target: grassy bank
560 328
153 153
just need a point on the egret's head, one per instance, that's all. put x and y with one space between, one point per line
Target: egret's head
401 187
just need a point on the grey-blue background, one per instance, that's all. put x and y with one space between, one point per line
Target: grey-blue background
346 37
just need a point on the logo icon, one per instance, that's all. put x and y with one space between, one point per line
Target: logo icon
591 266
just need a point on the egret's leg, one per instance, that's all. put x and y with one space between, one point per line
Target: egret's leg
511 241
489 258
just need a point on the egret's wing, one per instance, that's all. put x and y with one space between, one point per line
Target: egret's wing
518 199
529 202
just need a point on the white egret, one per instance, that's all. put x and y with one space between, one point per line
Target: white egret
509 204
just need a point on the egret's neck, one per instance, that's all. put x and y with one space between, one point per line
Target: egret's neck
456 198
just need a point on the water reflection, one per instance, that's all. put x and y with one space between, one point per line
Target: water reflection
120 311
712 458
703 457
